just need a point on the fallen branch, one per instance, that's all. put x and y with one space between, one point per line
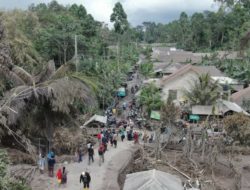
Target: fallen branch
182 173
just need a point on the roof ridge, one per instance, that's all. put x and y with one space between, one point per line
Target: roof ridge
239 93
179 71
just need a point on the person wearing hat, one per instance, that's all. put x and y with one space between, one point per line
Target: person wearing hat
85 179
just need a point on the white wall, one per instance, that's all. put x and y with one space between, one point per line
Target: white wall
180 84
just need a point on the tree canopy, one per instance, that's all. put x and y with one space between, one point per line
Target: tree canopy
119 18
150 98
204 31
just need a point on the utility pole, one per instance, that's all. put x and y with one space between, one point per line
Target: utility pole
76 54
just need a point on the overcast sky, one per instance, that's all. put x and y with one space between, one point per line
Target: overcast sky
137 10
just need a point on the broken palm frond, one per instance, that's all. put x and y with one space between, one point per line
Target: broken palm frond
24 75
21 140
64 70
176 169
61 93
90 81
64 92
47 73
68 140
11 77
24 173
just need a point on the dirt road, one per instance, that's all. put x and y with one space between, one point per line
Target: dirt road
103 177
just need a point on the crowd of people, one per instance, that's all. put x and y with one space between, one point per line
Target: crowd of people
107 136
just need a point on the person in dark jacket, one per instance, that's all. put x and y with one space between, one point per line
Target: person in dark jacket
105 141
51 163
64 176
80 154
91 153
85 179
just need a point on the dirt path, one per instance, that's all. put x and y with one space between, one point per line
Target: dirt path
103 177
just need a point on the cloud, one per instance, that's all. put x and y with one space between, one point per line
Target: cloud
137 10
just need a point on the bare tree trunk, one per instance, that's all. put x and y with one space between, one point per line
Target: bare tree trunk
203 145
222 38
118 55
157 143
191 143
64 55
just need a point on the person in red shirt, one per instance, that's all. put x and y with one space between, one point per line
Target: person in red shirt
101 152
99 137
59 176
136 138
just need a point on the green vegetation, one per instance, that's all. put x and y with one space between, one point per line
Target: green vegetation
119 17
234 68
146 69
150 98
147 51
5 182
224 29
47 32
43 86
204 91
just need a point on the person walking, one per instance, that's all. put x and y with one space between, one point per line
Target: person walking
105 141
91 153
115 140
111 138
124 106
80 154
41 163
85 179
76 156
51 163
122 134
101 152
132 90
136 137
64 175
89 144
145 137
99 137
59 176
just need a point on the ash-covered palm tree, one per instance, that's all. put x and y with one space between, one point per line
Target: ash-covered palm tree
204 91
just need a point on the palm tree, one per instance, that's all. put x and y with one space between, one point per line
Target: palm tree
204 91
150 98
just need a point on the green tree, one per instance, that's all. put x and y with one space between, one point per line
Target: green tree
204 91
186 35
200 31
150 98
232 3
119 18
146 69
150 32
